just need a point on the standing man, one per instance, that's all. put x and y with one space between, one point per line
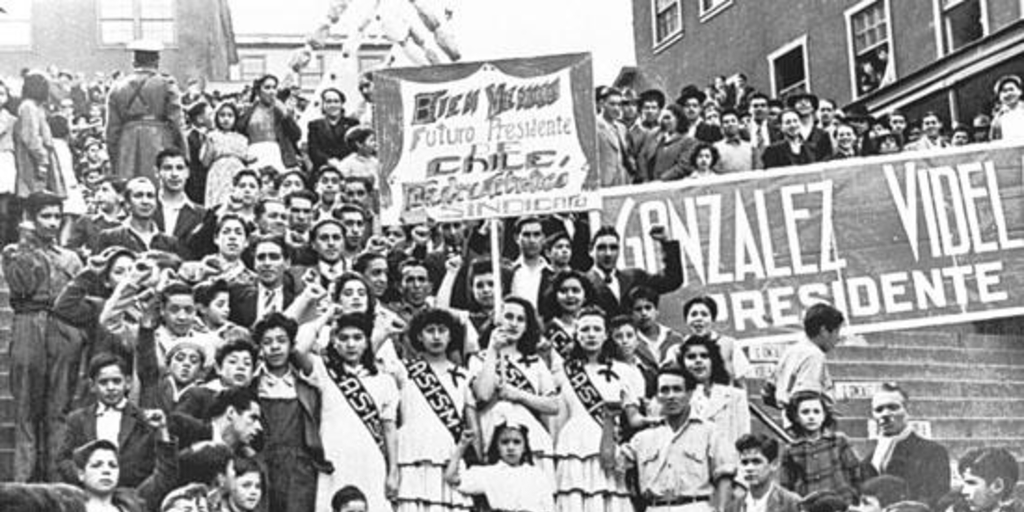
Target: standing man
272 291
899 451
683 464
931 134
793 149
817 140
43 363
762 133
612 286
735 154
531 273
143 115
176 214
802 366
612 149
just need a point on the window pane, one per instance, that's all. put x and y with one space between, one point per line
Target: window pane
116 9
963 25
15 33
157 9
789 69
667 22
162 31
661 5
116 32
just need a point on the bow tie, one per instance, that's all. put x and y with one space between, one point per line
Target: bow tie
526 360
608 374
456 374
107 409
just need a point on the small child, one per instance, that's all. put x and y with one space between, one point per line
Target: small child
876 494
511 481
348 499
819 459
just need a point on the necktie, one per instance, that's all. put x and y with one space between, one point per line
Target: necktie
268 301
760 136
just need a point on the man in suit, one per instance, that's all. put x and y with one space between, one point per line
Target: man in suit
112 418
176 214
761 131
273 290
143 115
792 150
614 164
899 451
140 232
323 257
531 273
612 286
759 462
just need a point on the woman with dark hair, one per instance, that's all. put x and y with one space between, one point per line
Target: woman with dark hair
820 458
33 141
223 153
437 406
593 376
665 154
700 314
712 398
270 126
570 291
326 135
231 238
98 472
513 382
704 160
356 399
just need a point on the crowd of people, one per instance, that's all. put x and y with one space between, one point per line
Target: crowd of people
224 324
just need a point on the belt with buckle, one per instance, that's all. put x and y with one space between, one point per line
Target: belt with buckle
677 501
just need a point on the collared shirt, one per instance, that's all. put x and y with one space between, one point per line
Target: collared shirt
802 367
673 464
736 156
331 270
171 212
759 504
269 300
526 278
108 420
612 281
273 387
145 238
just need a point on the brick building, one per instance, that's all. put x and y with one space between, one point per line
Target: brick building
915 55
89 36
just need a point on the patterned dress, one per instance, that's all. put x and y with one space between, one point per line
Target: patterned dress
224 155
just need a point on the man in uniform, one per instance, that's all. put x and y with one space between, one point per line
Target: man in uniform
684 464
143 115
42 357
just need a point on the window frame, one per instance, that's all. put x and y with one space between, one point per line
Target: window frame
707 14
321 61
27 21
799 42
253 56
656 45
852 51
137 21
939 14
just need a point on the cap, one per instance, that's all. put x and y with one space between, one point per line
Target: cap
793 98
145 46
1005 79
691 91
41 199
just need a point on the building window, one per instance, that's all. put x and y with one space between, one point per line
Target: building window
251 67
789 71
870 38
123 21
961 22
370 62
312 74
668 21
709 8
16 24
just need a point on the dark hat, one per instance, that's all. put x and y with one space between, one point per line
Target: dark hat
629 95
797 96
1003 80
858 113
652 95
90 142
604 91
41 199
81 454
691 91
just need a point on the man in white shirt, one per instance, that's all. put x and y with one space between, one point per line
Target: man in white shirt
531 274
802 366
736 154
273 290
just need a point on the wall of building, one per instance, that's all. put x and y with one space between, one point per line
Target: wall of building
741 36
66 33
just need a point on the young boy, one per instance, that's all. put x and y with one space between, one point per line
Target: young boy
989 476
112 418
759 462
655 337
876 494
244 488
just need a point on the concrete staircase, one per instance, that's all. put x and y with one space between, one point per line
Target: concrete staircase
966 388
6 401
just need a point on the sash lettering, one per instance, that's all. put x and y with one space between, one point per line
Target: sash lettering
361 402
585 389
516 377
436 396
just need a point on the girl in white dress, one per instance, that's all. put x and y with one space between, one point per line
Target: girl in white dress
437 406
592 377
359 406
514 384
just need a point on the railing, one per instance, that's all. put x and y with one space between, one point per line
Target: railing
777 429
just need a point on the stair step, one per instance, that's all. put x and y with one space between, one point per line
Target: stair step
929 339
885 370
958 446
6 465
931 407
935 388
898 353
948 427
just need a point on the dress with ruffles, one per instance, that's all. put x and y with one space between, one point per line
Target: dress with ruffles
224 155
581 484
